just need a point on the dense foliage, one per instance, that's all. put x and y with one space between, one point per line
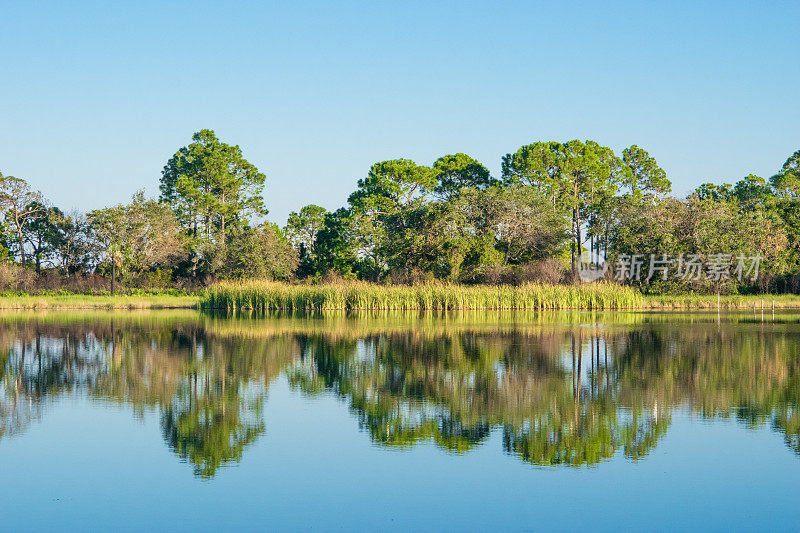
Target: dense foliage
410 223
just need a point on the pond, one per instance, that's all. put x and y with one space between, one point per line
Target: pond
512 421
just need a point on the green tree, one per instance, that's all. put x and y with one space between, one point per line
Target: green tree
643 176
519 219
711 191
646 228
753 192
108 237
301 229
456 171
73 244
212 187
706 224
575 176
392 185
137 237
391 188
427 241
335 246
42 235
260 252
715 227
21 205
473 233
787 180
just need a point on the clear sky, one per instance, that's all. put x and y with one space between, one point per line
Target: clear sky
95 97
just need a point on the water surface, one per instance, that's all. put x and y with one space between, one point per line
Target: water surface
180 420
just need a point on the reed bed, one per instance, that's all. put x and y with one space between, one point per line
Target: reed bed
270 296
757 302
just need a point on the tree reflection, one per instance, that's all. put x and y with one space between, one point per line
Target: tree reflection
557 391
210 423
209 390
563 396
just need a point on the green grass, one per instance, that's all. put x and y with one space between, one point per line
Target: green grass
736 301
269 296
83 301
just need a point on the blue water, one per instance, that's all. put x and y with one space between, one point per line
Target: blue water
88 462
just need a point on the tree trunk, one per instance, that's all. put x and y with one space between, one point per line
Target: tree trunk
573 247
38 254
223 216
113 275
21 248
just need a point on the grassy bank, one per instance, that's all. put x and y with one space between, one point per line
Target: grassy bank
266 296
270 296
83 301
710 302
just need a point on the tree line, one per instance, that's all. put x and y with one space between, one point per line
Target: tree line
407 223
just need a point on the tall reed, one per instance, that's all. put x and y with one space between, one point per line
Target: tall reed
270 296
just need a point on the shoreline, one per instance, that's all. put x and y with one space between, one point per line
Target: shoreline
367 297
260 295
104 302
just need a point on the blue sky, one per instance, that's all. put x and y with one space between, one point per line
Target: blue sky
95 97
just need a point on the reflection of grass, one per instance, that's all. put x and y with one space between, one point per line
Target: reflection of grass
83 301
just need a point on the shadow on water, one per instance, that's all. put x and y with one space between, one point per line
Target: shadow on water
562 388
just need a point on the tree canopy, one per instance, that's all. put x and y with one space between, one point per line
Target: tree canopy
212 187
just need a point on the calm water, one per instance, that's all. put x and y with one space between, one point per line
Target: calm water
178 420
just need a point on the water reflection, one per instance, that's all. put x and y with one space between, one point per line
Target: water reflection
568 389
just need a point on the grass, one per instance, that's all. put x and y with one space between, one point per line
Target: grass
269 296
734 301
262 296
83 301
